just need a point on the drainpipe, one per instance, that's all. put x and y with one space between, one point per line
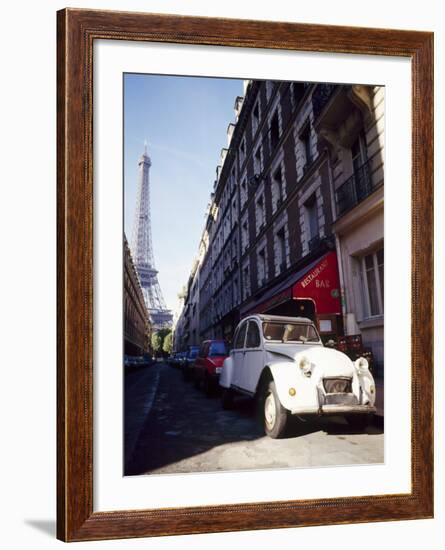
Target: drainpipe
337 241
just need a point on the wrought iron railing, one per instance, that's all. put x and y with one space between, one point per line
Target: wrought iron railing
314 243
356 188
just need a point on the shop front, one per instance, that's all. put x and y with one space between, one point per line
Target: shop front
313 292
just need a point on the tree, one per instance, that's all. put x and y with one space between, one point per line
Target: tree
168 343
157 340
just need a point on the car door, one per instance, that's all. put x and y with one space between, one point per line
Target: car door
253 359
237 353
201 359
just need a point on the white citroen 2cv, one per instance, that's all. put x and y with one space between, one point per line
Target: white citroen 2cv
282 362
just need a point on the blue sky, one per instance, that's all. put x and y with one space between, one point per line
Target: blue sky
184 120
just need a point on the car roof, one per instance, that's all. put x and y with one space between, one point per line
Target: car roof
271 318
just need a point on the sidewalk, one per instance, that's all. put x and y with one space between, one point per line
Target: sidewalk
140 387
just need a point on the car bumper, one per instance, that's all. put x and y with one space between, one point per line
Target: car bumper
331 410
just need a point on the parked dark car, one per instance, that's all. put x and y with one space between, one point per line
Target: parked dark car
179 357
188 363
134 362
208 364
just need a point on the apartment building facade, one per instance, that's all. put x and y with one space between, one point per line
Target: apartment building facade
352 122
137 326
275 235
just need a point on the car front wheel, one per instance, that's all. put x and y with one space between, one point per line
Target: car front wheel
359 421
207 385
275 415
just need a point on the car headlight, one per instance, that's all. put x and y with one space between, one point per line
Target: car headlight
362 364
306 366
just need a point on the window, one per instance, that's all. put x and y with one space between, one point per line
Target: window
361 172
290 332
372 276
243 192
253 339
269 87
297 93
258 161
233 180
305 138
246 282
245 235
277 189
240 336
274 130
255 117
242 151
235 292
262 267
312 217
234 248
203 352
218 349
259 213
358 152
281 250
380 269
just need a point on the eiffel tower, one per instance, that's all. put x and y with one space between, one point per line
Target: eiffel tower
142 250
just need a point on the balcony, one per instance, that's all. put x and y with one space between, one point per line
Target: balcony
356 188
321 96
314 243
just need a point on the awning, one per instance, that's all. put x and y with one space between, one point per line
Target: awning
318 281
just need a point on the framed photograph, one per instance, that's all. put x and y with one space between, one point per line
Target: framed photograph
245 226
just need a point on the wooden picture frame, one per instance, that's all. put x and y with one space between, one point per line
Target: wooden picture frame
77 31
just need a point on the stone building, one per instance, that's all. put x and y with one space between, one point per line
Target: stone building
187 330
352 122
137 329
275 239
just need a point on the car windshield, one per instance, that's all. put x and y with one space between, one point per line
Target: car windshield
217 349
289 332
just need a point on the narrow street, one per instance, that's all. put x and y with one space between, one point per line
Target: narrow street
171 427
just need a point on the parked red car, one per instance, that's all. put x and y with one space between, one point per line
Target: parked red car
208 364
353 347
